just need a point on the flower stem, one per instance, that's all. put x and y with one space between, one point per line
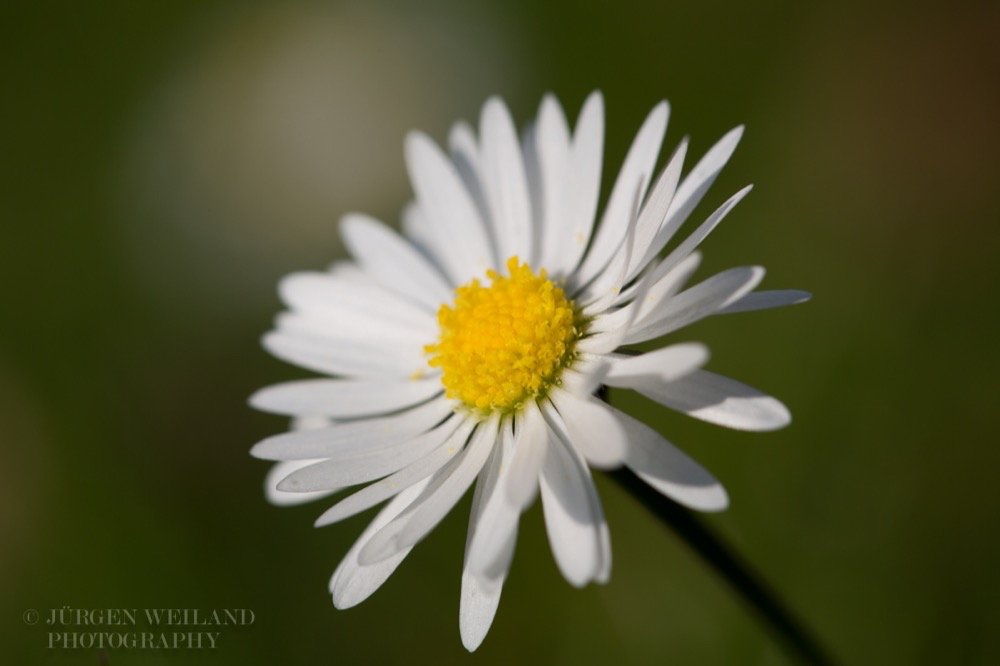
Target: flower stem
801 646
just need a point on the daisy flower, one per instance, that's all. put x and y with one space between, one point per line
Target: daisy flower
469 349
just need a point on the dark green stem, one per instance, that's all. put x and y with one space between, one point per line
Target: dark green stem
801 646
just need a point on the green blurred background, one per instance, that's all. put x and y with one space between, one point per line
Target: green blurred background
163 164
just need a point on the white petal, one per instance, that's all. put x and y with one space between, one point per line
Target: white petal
604 543
688 193
591 428
533 179
481 592
597 296
344 398
682 251
704 299
310 422
491 552
374 463
668 469
278 472
393 338
490 546
552 147
575 205
586 375
421 235
353 582
663 288
334 298
529 452
654 212
634 177
605 341
344 324
477 608
505 183
300 342
436 501
355 438
720 400
574 519
762 300
468 162
666 364
496 465
392 262
459 233
395 483
696 183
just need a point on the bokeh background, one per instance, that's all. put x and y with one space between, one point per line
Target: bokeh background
163 164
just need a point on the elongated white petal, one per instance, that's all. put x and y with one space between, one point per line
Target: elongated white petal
608 285
336 474
314 349
608 340
477 608
392 262
334 298
390 338
720 400
552 148
661 288
368 465
344 398
697 182
436 501
481 591
574 519
763 300
654 212
505 183
490 547
583 184
704 299
666 364
487 483
278 472
353 582
668 469
591 428
333 329
449 210
637 250
419 232
354 438
634 177
529 452
533 180
466 156
491 551
395 483
682 251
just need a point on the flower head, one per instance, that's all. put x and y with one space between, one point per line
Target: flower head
469 349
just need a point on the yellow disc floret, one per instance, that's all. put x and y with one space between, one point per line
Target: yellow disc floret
507 343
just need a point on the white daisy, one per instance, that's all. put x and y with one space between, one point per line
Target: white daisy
470 348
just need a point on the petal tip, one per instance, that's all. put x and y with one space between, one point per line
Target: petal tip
261 450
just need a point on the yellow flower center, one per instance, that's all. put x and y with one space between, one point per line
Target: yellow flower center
507 343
